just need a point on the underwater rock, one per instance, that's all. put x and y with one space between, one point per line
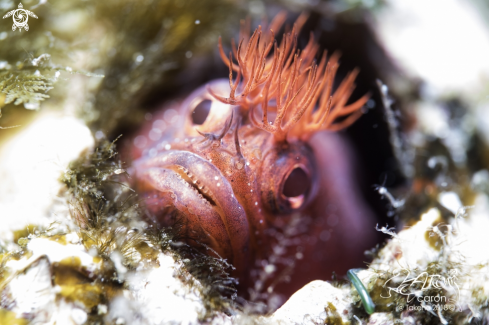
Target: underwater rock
31 291
429 46
317 302
57 280
433 271
158 296
30 165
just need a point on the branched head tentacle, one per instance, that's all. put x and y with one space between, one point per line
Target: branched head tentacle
236 137
301 89
213 138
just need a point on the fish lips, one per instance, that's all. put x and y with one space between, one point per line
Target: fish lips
191 178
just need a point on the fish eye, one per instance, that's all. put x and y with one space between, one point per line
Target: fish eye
201 112
297 184
288 180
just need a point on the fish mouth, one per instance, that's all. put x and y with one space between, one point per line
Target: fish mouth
204 195
197 184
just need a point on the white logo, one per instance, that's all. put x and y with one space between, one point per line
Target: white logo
418 287
20 17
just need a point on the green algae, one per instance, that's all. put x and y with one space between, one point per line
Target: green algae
333 316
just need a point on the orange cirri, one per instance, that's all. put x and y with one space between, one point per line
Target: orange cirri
262 192
301 90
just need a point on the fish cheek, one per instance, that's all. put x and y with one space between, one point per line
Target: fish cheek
342 219
271 201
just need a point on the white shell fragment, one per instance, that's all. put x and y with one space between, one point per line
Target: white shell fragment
310 305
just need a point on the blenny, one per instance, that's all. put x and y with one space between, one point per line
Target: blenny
250 169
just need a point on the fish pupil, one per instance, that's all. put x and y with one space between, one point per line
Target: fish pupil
201 111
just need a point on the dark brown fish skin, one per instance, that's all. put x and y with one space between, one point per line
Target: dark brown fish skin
229 197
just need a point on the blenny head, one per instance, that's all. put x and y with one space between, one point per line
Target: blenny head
234 166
